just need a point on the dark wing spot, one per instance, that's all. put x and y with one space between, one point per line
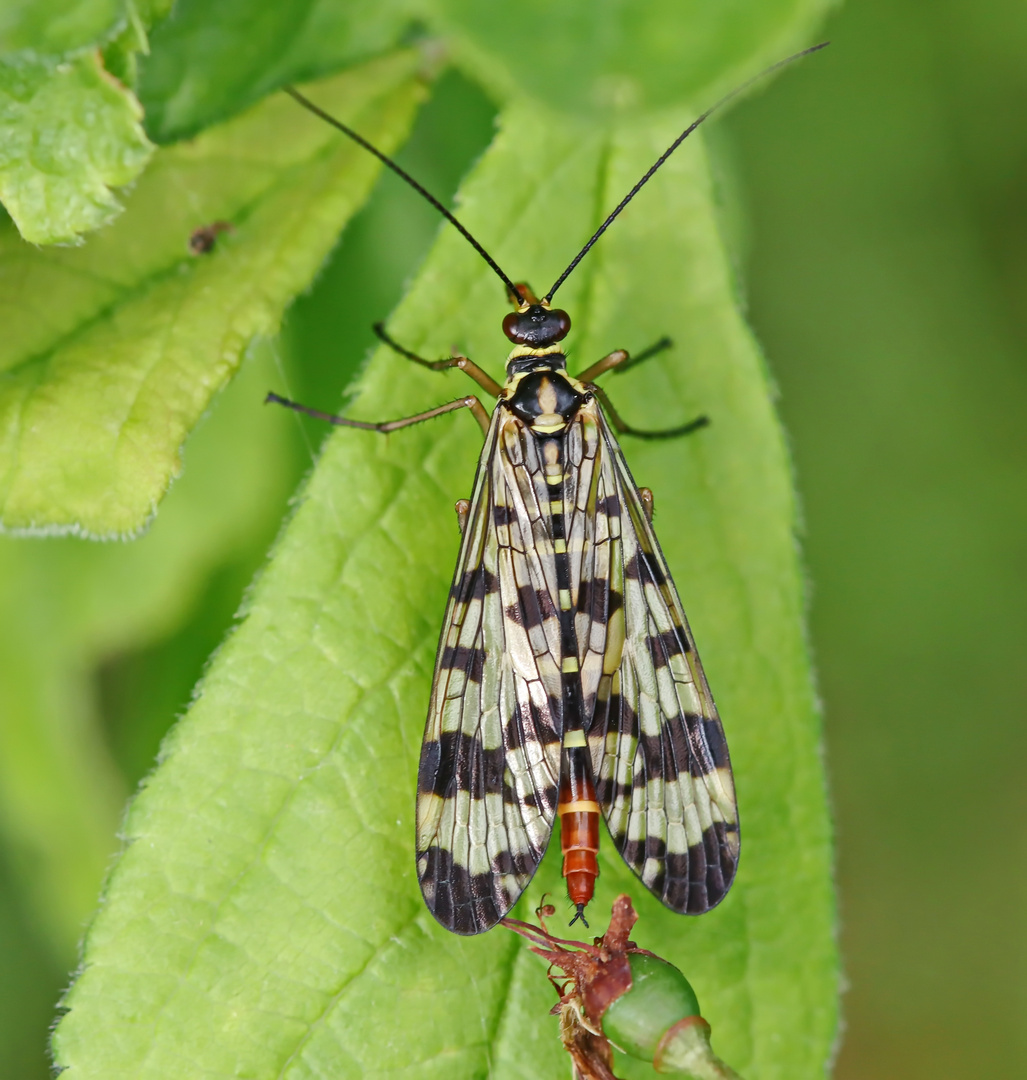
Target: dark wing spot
632 851
521 863
461 658
643 566
653 756
529 724
663 646
699 878
681 746
533 607
462 902
615 715
503 515
458 762
702 758
541 799
597 601
474 585
652 567
716 742
610 791
655 847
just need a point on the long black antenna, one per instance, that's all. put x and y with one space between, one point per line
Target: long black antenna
666 154
402 174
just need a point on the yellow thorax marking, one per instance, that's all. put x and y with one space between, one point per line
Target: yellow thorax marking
547 398
528 350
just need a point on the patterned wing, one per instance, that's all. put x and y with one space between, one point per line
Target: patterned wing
663 776
490 761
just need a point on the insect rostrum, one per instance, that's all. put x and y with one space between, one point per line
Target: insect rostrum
566 683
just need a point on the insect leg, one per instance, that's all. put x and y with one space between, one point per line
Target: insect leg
469 367
648 503
472 403
624 428
463 512
621 359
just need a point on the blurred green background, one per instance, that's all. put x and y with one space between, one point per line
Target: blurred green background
883 235
886 192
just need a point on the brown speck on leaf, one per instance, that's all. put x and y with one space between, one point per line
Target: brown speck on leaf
203 239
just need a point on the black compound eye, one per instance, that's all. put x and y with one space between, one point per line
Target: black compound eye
562 321
537 326
511 328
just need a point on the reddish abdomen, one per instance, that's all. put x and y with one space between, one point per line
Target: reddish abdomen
579 826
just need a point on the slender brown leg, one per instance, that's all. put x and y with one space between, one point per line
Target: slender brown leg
621 359
624 428
469 367
463 510
472 403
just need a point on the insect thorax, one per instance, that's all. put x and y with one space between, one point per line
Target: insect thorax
540 392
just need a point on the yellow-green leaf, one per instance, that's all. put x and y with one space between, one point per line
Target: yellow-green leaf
69 133
111 352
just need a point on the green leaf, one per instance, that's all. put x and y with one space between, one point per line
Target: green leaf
59 26
264 919
196 74
70 127
67 605
113 351
68 134
121 55
621 55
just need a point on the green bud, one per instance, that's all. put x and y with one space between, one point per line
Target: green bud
686 1052
658 1020
659 997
